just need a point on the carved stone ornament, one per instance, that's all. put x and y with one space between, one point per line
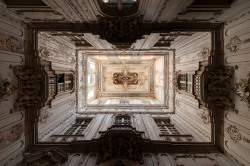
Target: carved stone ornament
175 80
121 29
218 88
235 134
11 44
6 89
44 116
205 52
29 88
234 44
205 117
15 132
120 146
44 157
242 90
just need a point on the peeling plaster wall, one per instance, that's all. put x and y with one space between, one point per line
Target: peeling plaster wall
187 60
11 54
62 55
237 54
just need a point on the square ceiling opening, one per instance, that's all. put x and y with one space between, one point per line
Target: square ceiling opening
114 80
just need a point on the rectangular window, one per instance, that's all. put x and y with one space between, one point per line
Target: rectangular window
92 65
186 82
122 121
90 94
78 127
183 82
64 82
189 83
165 127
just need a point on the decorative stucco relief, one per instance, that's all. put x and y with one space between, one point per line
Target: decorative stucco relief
120 147
10 43
124 29
11 135
44 116
29 88
242 89
56 56
205 117
204 53
235 43
235 134
178 60
218 89
6 89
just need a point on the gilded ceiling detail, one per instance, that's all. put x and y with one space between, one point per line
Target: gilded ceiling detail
125 78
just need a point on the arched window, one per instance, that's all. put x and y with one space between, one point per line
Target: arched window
122 120
64 82
185 82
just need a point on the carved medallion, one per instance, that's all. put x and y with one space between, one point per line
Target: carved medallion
6 89
205 117
11 44
44 116
242 90
205 52
234 133
15 132
125 78
234 44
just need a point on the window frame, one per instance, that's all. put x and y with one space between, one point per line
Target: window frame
122 120
185 82
66 85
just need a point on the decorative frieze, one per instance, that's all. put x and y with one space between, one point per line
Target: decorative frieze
29 88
